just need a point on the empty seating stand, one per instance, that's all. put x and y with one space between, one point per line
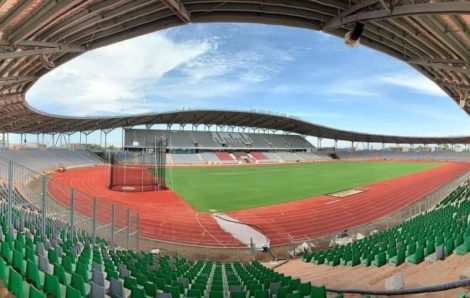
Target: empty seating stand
442 229
57 264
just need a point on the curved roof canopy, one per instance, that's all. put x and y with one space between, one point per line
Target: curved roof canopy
36 35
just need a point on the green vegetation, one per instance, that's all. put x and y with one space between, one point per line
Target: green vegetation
234 188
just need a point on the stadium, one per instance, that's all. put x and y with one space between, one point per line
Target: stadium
227 202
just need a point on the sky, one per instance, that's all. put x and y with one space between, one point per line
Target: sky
299 72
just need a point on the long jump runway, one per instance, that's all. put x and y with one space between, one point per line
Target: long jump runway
166 216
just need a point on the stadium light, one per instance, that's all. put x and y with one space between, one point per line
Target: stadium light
352 38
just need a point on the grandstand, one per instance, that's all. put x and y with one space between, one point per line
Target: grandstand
204 140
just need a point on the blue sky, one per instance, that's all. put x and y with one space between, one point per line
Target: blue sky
244 66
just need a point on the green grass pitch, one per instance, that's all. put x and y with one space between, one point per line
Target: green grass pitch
235 188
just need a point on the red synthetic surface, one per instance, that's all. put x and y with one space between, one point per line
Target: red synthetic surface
163 215
223 156
324 215
166 216
258 155
133 178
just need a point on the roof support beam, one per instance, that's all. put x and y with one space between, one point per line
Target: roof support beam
456 86
456 7
439 65
5 81
179 9
61 49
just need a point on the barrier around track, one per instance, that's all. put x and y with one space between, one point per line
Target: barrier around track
26 188
120 225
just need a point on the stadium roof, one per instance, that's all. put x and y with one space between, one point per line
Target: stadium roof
36 35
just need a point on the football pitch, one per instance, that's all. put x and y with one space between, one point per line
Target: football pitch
242 187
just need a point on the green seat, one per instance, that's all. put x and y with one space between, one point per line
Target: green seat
367 260
318 292
293 295
379 260
237 295
464 248
399 258
138 292
78 283
354 261
17 262
51 285
217 288
15 284
150 289
59 272
294 284
32 274
194 293
282 292
30 256
173 291
160 283
52 256
67 264
130 282
6 252
216 294
70 292
35 293
448 247
417 257
82 269
3 272
261 294
305 288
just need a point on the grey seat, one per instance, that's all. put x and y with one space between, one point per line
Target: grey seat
123 272
46 244
121 266
97 277
184 281
40 251
273 287
163 295
59 251
236 289
96 291
116 288
43 264
96 266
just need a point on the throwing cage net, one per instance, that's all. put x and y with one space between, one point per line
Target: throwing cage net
138 171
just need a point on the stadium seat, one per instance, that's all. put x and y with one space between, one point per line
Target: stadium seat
15 284
51 285
464 248
379 260
35 293
318 292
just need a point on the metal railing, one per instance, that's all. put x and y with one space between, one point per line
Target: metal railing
120 225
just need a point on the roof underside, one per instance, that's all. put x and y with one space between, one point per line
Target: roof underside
35 35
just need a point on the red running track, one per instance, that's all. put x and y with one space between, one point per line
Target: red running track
163 214
166 216
324 215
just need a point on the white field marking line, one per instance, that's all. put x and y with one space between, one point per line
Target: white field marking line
245 173
331 202
213 237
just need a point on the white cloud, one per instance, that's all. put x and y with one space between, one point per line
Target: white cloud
113 79
154 72
416 82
